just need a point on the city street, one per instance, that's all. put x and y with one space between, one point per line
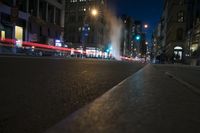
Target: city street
99 66
49 94
156 99
37 93
182 73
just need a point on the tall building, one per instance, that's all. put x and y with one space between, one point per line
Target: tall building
139 38
180 37
193 36
176 22
127 39
46 23
85 23
40 21
13 19
133 38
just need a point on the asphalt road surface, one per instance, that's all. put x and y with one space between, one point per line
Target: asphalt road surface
157 99
36 93
187 74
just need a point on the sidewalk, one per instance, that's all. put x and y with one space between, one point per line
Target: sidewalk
147 102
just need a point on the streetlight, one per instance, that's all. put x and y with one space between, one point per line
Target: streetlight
146 26
86 27
94 12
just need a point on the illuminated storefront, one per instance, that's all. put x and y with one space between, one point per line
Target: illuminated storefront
19 35
178 52
3 34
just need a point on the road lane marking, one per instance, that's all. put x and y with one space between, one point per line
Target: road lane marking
188 85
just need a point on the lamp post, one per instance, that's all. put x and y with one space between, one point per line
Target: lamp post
146 26
86 27
94 12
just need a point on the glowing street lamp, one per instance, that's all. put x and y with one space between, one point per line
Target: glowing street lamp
146 26
94 12
86 27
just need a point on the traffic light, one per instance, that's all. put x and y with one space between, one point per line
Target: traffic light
138 37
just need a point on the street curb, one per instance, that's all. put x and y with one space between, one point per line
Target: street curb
52 129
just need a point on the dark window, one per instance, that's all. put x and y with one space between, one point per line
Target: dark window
49 32
72 19
80 18
22 5
30 27
58 16
33 7
51 14
43 6
40 30
8 2
5 18
59 1
181 2
179 34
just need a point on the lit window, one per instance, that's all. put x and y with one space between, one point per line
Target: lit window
72 1
3 34
180 17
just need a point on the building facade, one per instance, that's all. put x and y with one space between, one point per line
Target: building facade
193 36
46 22
179 29
133 38
83 29
176 22
127 39
40 21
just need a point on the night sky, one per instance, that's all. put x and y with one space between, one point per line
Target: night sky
148 11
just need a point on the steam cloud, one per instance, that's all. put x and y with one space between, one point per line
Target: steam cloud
115 33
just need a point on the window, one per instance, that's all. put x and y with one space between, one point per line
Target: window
179 34
80 18
8 2
59 1
181 2
180 17
50 14
72 1
49 32
43 6
30 27
33 7
72 19
40 30
2 35
19 33
58 16
22 5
